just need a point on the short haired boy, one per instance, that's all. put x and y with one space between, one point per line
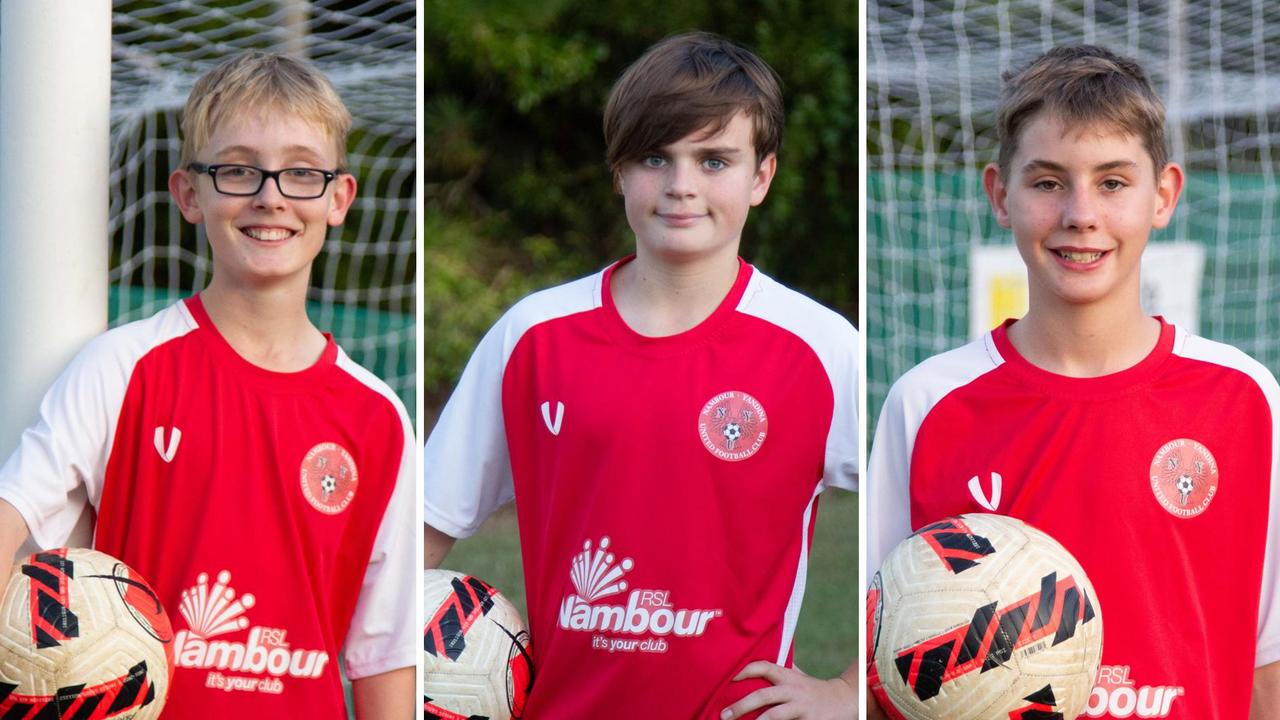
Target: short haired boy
1150 453
665 425
231 450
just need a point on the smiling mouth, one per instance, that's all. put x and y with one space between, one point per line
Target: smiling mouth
268 234
1080 257
680 219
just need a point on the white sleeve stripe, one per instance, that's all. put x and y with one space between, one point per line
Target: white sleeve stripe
384 621
61 460
835 343
887 495
792 614
1194 347
582 295
466 462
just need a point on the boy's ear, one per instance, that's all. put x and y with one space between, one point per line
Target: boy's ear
997 193
764 175
344 193
1168 189
182 188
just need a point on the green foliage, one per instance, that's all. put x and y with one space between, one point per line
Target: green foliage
518 196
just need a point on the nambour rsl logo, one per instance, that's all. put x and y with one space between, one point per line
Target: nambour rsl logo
733 425
642 623
1184 477
329 478
260 660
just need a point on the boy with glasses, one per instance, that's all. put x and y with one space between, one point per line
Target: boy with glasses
229 448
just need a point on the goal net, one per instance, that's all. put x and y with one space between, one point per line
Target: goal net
933 80
363 281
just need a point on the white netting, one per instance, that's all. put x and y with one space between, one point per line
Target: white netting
933 79
363 282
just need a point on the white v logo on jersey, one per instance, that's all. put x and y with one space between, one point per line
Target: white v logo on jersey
553 426
167 450
975 489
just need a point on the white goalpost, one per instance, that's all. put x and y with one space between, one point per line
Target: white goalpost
55 80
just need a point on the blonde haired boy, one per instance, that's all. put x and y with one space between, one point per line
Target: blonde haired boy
1150 453
234 455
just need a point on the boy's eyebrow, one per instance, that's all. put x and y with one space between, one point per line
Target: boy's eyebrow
727 150
1037 164
290 150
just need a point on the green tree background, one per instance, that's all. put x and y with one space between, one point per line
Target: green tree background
518 196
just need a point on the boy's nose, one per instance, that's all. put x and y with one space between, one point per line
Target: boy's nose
1081 211
269 194
680 176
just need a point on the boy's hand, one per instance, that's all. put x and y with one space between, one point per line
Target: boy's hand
795 696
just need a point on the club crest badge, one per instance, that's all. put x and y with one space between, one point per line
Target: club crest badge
329 478
1184 477
733 425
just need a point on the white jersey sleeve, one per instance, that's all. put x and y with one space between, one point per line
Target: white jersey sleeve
1198 348
1269 607
466 464
385 621
912 397
836 343
61 459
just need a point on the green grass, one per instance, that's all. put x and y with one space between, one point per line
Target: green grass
826 635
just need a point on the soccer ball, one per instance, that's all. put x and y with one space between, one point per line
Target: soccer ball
982 616
476 651
83 635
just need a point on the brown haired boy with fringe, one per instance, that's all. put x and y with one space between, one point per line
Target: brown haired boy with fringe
665 425
1150 453
234 455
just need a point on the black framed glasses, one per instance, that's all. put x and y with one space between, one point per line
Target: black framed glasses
243 180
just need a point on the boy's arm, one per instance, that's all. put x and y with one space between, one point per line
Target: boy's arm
435 545
1266 693
13 532
386 696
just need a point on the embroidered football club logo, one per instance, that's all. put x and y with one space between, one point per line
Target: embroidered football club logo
329 478
1184 477
733 426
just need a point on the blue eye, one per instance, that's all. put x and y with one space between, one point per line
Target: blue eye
236 172
715 164
653 161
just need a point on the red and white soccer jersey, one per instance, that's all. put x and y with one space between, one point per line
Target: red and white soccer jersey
272 512
1160 479
665 486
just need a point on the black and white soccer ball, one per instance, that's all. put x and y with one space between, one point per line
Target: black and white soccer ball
82 635
477 664
982 616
